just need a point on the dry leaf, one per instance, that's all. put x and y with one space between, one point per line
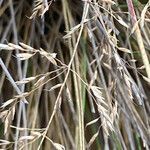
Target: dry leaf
97 93
120 20
105 126
33 15
114 112
143 14
107 66
15 46
92 139
40 8
6 124
128 83
142 67
7 121
2 142
110 126
22 95
92 122
107 117
6 47
26 138
124 50
51 59
24 56
102 109
74 29
25 80
58 146
55 87
77 27
94 77
36 133
25 46
7 103
49 56
3 114
133 60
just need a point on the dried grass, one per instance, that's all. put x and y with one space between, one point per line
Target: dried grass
72 75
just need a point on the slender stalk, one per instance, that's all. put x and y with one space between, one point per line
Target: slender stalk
139 37
81 124
11 79
22 109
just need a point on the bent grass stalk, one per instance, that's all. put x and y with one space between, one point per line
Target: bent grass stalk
80 107
139 37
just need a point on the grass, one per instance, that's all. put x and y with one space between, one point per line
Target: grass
74 74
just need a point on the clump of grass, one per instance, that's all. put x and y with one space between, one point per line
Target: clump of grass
71 77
